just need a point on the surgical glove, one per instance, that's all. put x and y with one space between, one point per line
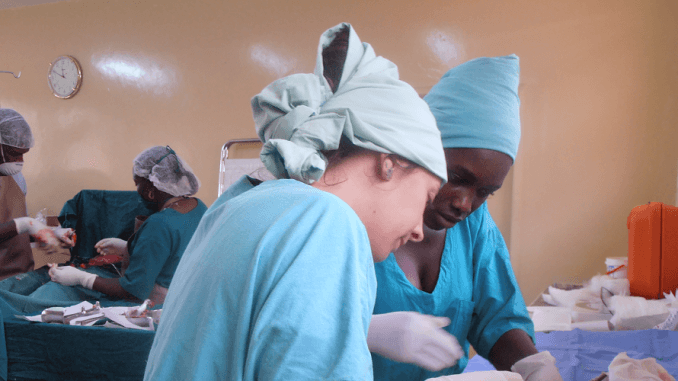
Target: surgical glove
70 276
538 367
65 235
114 246
411 337
36 229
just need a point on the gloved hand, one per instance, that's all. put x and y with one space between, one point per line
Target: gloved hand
538 367
411 337
65 235
36 229
70 276
115 246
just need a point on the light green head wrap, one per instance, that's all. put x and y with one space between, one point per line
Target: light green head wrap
298 116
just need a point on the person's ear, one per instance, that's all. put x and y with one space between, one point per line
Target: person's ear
151 194
386 167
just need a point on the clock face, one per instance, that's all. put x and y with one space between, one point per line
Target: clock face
65 77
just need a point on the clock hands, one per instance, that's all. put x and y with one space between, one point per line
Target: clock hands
62 73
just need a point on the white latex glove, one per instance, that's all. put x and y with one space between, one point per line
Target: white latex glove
65 235
411 337
36 229
113 246
70 276
538 367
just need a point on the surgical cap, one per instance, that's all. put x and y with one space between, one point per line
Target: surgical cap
14 130
298 116
167 171
476 105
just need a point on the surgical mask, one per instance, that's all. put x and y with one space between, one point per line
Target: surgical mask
9 169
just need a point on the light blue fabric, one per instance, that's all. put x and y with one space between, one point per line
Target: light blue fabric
277 284
583 355
476 105
21 182
476 289
298 116
157 247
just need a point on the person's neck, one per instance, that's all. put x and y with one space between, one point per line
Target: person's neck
171 201
352 181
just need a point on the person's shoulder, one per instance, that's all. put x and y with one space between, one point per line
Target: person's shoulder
293 194
481 218
201 207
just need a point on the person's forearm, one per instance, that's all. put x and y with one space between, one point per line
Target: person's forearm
512 346
7 230
112 287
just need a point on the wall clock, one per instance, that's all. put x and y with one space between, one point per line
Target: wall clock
64 77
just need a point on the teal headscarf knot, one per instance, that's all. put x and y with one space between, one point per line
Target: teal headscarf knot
298 116
476 105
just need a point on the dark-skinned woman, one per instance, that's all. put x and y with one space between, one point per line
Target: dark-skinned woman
461 270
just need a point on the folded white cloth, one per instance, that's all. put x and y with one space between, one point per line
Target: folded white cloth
623 368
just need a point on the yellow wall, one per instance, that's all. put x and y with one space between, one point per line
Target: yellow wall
599 90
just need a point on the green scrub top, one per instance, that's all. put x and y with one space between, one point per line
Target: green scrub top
476 289
157 247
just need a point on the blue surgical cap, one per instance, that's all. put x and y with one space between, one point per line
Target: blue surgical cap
476 105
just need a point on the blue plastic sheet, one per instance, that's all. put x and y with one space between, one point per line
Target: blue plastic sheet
583 355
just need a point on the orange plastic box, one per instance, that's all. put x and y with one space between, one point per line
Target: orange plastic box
653 250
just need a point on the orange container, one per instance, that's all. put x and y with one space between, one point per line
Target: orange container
653 250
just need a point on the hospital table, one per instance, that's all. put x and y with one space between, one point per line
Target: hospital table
54 352
583 355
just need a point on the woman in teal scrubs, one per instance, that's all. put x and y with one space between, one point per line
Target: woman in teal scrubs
278 281
165 182
462 269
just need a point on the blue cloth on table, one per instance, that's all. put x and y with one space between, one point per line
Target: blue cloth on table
476 289
54 352
583 355
277 283
98 214
32 293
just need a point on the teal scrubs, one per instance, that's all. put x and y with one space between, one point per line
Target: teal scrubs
277 284
476 289
155 250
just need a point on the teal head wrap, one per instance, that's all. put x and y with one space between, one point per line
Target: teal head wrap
476 105
298 116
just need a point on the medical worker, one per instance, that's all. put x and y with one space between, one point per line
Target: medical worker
16 256
165 181
16 139
278 282
462 269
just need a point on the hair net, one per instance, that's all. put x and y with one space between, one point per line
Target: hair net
298 116
14 130
476 105
165 169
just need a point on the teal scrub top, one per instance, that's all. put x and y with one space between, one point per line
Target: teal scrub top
156 248
277 284
476 289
